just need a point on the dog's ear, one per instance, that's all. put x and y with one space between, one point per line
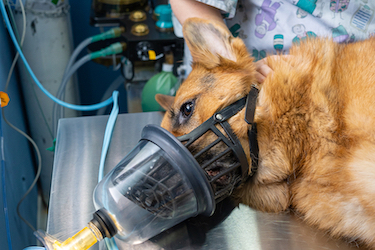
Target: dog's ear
208 41
165 101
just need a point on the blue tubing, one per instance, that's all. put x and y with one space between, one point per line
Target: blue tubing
62 103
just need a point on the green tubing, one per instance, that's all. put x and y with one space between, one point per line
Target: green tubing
115 48
112 33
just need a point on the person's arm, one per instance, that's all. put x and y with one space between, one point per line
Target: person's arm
184 9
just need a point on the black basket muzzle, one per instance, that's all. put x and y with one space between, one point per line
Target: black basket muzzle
210 159
223 146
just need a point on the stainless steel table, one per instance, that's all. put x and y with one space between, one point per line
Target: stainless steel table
75 175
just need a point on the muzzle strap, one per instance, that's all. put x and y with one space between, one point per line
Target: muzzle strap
230 110
251 101
254 148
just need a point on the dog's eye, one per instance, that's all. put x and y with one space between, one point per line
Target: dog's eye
187 108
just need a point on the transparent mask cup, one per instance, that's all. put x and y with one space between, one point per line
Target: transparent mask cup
150 189
156 186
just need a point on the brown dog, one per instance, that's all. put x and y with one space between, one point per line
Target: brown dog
315 118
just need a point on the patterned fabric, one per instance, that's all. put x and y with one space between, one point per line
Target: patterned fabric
272 26
339 5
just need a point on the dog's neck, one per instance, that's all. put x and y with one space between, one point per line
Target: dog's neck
283 131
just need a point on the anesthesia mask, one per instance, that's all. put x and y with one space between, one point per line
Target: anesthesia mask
165 180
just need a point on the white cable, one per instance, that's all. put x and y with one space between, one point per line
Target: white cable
57 111
21 43
76 52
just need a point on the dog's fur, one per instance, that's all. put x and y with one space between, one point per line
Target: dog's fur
315 117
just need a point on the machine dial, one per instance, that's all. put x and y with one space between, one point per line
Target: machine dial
140 29
137 16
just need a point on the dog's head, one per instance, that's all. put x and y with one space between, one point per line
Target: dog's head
222 73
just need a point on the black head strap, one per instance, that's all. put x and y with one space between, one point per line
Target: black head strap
251 102
252 133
